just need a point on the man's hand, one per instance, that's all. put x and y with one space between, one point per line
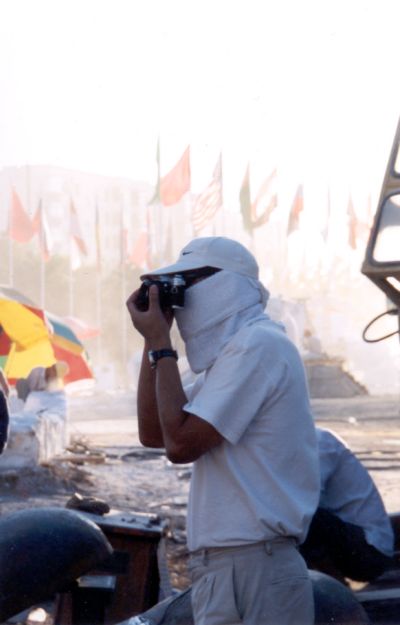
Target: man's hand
153 324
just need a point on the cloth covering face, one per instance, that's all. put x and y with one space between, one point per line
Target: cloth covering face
348 491
215 309
262 481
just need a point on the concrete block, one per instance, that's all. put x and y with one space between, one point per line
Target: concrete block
37 432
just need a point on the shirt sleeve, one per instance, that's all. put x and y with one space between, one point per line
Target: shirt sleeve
236 386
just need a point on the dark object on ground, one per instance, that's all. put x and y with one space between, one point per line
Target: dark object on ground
43 550
334 603
88 504
4 421
134 567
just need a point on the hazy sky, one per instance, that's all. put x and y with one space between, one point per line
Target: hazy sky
309 85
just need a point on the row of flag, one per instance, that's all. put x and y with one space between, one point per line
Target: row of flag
255 212
176 183
169 190
22 228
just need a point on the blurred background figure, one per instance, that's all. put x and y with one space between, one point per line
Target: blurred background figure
49 379
350 535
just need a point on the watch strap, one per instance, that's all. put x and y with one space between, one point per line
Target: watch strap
156 355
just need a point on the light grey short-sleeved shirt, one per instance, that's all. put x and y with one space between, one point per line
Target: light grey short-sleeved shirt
263 480
348 491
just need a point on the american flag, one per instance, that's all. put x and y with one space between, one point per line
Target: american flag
209 201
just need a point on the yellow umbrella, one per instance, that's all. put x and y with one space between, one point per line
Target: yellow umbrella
29 342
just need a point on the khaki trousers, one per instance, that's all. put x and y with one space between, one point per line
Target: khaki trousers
258 584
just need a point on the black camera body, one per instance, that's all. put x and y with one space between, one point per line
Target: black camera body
171 290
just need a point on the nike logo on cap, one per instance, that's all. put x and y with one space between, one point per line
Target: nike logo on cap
184 253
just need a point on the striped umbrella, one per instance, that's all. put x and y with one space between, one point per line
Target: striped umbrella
31 337
68 347
24 335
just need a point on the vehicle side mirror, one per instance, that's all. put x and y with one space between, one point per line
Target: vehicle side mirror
382 257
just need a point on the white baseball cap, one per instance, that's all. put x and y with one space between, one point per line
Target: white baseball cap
218 252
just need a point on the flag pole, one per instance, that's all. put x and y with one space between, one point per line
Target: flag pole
98 284
10 249
10 260
98 316
41 252
124 325
71 280
42 279
124 328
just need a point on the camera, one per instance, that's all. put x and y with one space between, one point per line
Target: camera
171 291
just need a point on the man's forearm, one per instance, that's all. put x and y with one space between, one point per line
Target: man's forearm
171 398
150 433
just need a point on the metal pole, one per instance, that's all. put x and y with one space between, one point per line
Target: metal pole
71 280
98 316
41 252
10 260
124 328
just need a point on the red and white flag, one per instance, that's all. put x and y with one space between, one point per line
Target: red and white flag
176 183
21 228
296 210
209 201
42 229
75 230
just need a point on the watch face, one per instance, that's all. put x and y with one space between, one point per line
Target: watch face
151 358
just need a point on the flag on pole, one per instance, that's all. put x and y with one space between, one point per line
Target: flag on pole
21 228
352 223
364 227
256 214
156 196
41 227
296 209
265 202
97 236
176 183
75 230
245 201
325 229
123 244
209 201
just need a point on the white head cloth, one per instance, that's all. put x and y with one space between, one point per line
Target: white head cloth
215 309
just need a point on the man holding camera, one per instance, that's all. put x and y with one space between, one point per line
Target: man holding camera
245 424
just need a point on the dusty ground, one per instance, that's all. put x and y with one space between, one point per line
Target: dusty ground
125 481
129 477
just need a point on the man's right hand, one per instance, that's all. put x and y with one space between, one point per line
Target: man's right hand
153 324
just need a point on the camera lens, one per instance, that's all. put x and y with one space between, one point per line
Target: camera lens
177 292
